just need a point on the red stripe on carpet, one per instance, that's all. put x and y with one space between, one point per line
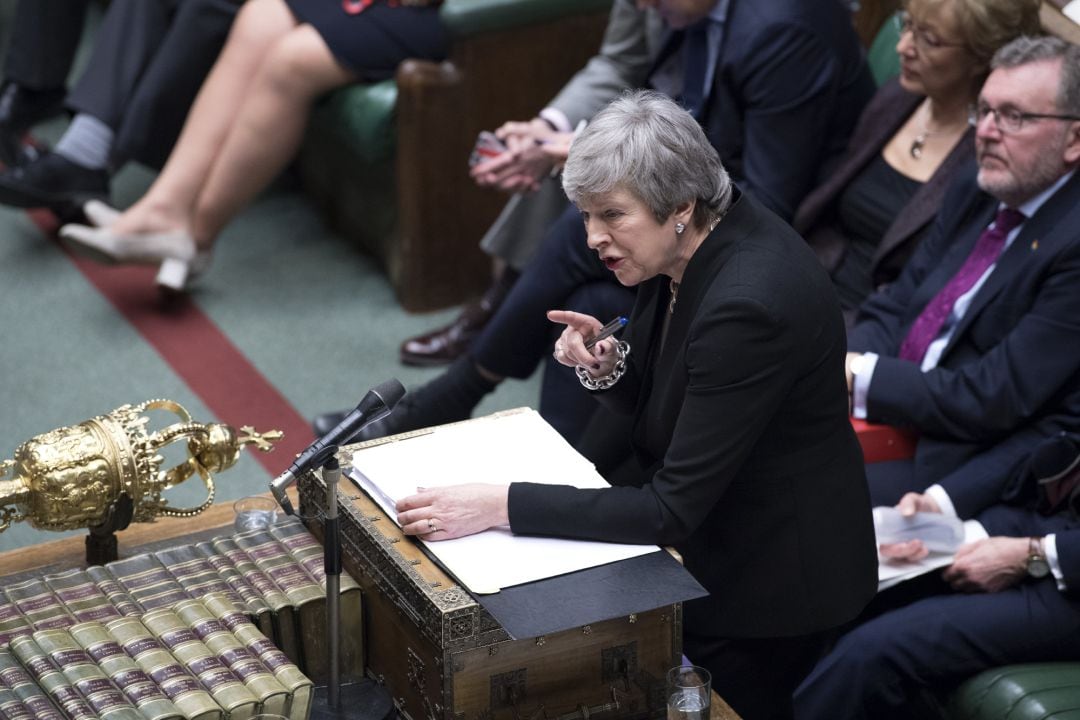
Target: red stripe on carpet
199 352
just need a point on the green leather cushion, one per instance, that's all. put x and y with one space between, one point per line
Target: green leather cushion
1034 691
361 118
467 17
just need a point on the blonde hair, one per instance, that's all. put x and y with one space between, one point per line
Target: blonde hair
986 25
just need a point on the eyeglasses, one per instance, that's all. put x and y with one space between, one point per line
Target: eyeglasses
1010 120
925 40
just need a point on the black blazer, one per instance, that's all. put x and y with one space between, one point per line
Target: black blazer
887 112
789 83
755 474
1010 375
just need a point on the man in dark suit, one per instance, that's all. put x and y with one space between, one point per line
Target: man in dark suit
760 77
44 37
967 346
988 370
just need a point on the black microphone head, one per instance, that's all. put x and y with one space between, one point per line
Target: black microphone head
390 392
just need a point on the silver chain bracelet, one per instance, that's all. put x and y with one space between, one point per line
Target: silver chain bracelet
605 382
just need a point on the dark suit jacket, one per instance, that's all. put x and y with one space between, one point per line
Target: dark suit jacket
789 84
754 472
887 112
1010 375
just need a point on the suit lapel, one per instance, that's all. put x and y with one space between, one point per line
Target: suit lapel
1038 238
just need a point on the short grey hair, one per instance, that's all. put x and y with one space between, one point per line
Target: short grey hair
1025 49
644 143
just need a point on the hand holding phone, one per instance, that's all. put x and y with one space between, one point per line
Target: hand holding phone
487 147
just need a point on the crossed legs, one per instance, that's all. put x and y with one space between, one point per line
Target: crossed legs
262 87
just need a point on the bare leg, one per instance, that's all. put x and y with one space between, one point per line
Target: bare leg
296 70
170 201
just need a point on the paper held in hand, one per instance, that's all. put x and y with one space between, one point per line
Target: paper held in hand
941 534
511 446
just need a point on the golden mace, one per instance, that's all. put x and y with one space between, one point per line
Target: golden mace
78 476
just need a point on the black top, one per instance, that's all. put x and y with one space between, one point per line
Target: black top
867 207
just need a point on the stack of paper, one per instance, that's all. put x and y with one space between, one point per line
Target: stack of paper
500 449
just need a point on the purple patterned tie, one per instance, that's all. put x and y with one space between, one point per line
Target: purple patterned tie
928 325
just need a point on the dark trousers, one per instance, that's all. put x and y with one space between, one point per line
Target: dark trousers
149 61
940 639
757 676
564 275
44 37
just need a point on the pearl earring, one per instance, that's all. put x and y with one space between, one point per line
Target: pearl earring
679 228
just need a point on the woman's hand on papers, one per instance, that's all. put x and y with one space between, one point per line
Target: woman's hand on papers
988 565
455 511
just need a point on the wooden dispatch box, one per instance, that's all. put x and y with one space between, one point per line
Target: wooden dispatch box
443 657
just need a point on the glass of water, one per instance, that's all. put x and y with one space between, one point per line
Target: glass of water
256 512
689 690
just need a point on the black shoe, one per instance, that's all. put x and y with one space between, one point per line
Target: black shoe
20 109
448 398
54 182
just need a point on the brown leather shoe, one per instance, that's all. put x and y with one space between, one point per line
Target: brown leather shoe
443 345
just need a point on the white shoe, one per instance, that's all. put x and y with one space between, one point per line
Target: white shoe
103 245
176 275
100 214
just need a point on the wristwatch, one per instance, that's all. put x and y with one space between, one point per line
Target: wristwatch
1037 567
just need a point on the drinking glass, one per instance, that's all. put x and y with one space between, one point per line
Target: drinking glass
256 512
688 693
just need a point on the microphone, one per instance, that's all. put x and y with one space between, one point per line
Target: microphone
376 404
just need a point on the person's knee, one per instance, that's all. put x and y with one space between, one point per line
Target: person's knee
300 65
258 24
862 671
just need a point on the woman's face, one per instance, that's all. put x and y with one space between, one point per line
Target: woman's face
630 242
933 58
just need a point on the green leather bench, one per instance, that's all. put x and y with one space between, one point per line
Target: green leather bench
387 163
1031 691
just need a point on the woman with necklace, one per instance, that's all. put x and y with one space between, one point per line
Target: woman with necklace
731 368
913 137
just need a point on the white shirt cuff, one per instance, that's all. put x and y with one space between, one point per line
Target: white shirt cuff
938 494
557 118
1050 548
861 386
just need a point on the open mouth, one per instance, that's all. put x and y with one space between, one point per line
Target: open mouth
612 263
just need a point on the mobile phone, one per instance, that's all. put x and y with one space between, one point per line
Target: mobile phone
487 146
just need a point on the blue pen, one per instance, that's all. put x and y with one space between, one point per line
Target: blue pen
605 332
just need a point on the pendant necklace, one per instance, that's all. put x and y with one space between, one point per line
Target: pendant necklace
917 145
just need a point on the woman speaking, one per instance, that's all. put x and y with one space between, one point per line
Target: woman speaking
732 367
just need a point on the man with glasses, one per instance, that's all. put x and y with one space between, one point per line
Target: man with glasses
977 346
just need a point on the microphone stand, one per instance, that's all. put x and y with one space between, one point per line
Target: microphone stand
364 699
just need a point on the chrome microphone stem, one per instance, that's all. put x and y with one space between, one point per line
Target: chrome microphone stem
277 488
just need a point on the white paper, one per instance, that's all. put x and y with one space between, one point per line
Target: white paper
1072 11
893 572
513 447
